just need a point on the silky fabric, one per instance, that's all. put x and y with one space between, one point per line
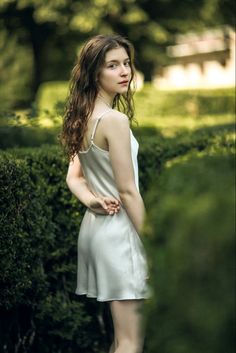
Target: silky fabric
112 263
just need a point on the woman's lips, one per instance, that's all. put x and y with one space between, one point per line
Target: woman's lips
123 83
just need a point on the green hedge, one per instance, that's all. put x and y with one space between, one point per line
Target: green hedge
155 150
38 256
39 229
151 102
189 237
22 217
13 133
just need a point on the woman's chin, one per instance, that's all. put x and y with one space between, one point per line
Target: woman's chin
123 89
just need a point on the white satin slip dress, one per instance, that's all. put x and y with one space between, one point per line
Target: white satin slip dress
112 263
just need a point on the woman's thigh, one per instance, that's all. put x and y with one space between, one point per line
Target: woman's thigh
127 320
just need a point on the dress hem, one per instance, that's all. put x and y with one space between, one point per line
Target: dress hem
105 300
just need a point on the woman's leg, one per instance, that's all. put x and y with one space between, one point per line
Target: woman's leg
128 326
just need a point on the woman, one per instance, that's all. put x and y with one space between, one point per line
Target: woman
103 175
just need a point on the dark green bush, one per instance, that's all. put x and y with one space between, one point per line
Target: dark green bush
40 221
189 237
26 136
23 224
155 150
15 134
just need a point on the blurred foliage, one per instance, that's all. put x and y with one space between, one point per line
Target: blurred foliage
52 94
185 103
189 238
151 102
49 33
16 70
159 114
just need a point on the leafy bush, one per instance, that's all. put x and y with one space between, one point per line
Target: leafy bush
15 133
40 221
153 103
189 237
23 224
155 150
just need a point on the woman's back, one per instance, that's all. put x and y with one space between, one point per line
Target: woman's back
96 163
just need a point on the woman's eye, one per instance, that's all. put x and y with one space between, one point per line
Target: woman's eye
113 66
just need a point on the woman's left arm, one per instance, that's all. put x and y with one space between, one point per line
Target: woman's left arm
78 186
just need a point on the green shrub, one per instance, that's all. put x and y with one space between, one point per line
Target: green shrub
40 221
23 224
189 237
155 150
14 133
26 136
151 102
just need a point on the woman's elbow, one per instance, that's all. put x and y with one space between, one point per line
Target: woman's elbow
68 180
127 192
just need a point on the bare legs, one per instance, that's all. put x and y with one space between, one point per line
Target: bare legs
128 329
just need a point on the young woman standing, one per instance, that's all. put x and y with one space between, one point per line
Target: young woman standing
103 175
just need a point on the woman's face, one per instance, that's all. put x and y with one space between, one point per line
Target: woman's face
115 74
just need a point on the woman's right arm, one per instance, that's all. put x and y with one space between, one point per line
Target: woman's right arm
117 132
78 186
77 183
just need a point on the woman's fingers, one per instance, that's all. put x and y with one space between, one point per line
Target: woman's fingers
112 201
107 205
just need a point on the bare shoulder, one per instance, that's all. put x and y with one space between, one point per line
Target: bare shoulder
115 119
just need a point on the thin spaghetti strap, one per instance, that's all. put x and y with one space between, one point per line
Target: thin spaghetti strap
96 123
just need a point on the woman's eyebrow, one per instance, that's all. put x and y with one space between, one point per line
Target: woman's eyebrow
116 61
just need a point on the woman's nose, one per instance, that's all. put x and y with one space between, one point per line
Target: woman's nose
125 70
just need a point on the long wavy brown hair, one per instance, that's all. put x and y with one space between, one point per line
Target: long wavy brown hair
83 90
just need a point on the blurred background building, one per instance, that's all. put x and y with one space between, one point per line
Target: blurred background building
200 60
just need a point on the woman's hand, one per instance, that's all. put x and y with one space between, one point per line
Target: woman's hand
106 205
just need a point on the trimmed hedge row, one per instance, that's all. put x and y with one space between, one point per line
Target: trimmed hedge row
184 102
39 228
156 150
189 238
14 135
40 223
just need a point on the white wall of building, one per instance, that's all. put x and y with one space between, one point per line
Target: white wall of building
211 74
